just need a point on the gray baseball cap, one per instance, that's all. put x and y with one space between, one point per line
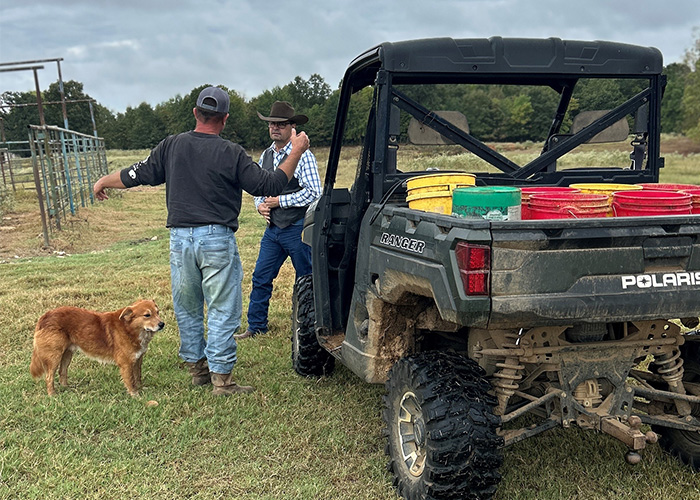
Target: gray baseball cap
213 99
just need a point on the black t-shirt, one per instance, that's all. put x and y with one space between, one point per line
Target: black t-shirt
204 176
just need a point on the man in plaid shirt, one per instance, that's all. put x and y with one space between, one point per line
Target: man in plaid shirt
284 215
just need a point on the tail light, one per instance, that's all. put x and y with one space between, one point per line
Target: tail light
474 263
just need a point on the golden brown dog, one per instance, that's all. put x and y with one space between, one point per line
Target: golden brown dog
120 337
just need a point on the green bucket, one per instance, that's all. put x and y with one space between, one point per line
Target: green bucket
495 203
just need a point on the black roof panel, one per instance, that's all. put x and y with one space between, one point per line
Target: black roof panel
527 57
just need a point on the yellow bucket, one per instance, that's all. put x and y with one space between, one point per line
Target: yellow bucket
606 189
440 203
433 192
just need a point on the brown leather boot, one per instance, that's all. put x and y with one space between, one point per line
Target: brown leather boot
200 372
249 334
225 386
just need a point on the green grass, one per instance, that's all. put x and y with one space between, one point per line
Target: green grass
294 438
288 440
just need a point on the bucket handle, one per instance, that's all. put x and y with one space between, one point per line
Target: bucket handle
570 210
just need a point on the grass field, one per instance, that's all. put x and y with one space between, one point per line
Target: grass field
294 438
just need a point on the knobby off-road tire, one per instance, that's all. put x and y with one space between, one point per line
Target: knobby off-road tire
309 359
684 445
442 440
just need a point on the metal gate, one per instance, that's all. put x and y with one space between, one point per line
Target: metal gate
65 165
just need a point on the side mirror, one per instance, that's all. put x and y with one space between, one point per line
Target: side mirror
617 132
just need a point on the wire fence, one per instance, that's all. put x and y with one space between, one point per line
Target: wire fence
61 165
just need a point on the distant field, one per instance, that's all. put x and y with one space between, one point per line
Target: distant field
294 438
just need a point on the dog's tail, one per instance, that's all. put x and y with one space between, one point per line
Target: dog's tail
36 367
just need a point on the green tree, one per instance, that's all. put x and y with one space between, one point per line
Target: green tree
484 115
690 103
18 111
106 123
176 113
692 55
143 128
671 114
543 101
356 122
598 94
518 112
77 107
21 110
690 106
237 123
322 120
305 94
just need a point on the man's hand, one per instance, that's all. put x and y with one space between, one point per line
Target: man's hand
264 210
112 180
99 192
299 141
272 201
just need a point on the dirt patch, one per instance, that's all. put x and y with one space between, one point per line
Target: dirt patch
669 145
680 145
21 235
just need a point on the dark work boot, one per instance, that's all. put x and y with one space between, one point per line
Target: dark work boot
200 372
225 386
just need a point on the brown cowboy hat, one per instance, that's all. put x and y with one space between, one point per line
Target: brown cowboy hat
282 111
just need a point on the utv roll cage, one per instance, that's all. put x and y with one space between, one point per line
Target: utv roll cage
552 62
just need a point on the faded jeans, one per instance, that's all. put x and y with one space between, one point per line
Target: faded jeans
205 267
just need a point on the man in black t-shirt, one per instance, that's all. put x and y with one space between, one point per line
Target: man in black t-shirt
204 177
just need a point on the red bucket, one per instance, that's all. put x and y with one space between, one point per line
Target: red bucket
651 202
574 205
526 192
668 187
695 193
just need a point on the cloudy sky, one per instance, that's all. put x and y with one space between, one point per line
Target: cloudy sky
131 51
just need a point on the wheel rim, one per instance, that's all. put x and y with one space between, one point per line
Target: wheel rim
411 426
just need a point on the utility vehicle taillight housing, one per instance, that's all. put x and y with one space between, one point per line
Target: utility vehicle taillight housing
474 263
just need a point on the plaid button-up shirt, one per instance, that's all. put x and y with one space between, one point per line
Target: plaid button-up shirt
306 174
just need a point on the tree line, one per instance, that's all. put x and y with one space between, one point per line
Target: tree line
515 114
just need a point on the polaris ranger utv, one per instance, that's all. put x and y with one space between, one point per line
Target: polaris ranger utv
472 323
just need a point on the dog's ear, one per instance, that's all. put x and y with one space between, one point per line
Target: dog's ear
126 314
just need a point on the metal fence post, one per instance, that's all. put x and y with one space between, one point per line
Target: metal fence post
37 184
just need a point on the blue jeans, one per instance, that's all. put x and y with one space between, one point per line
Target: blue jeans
276 245
205 267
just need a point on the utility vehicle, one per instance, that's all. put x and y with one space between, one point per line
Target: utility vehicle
474 323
